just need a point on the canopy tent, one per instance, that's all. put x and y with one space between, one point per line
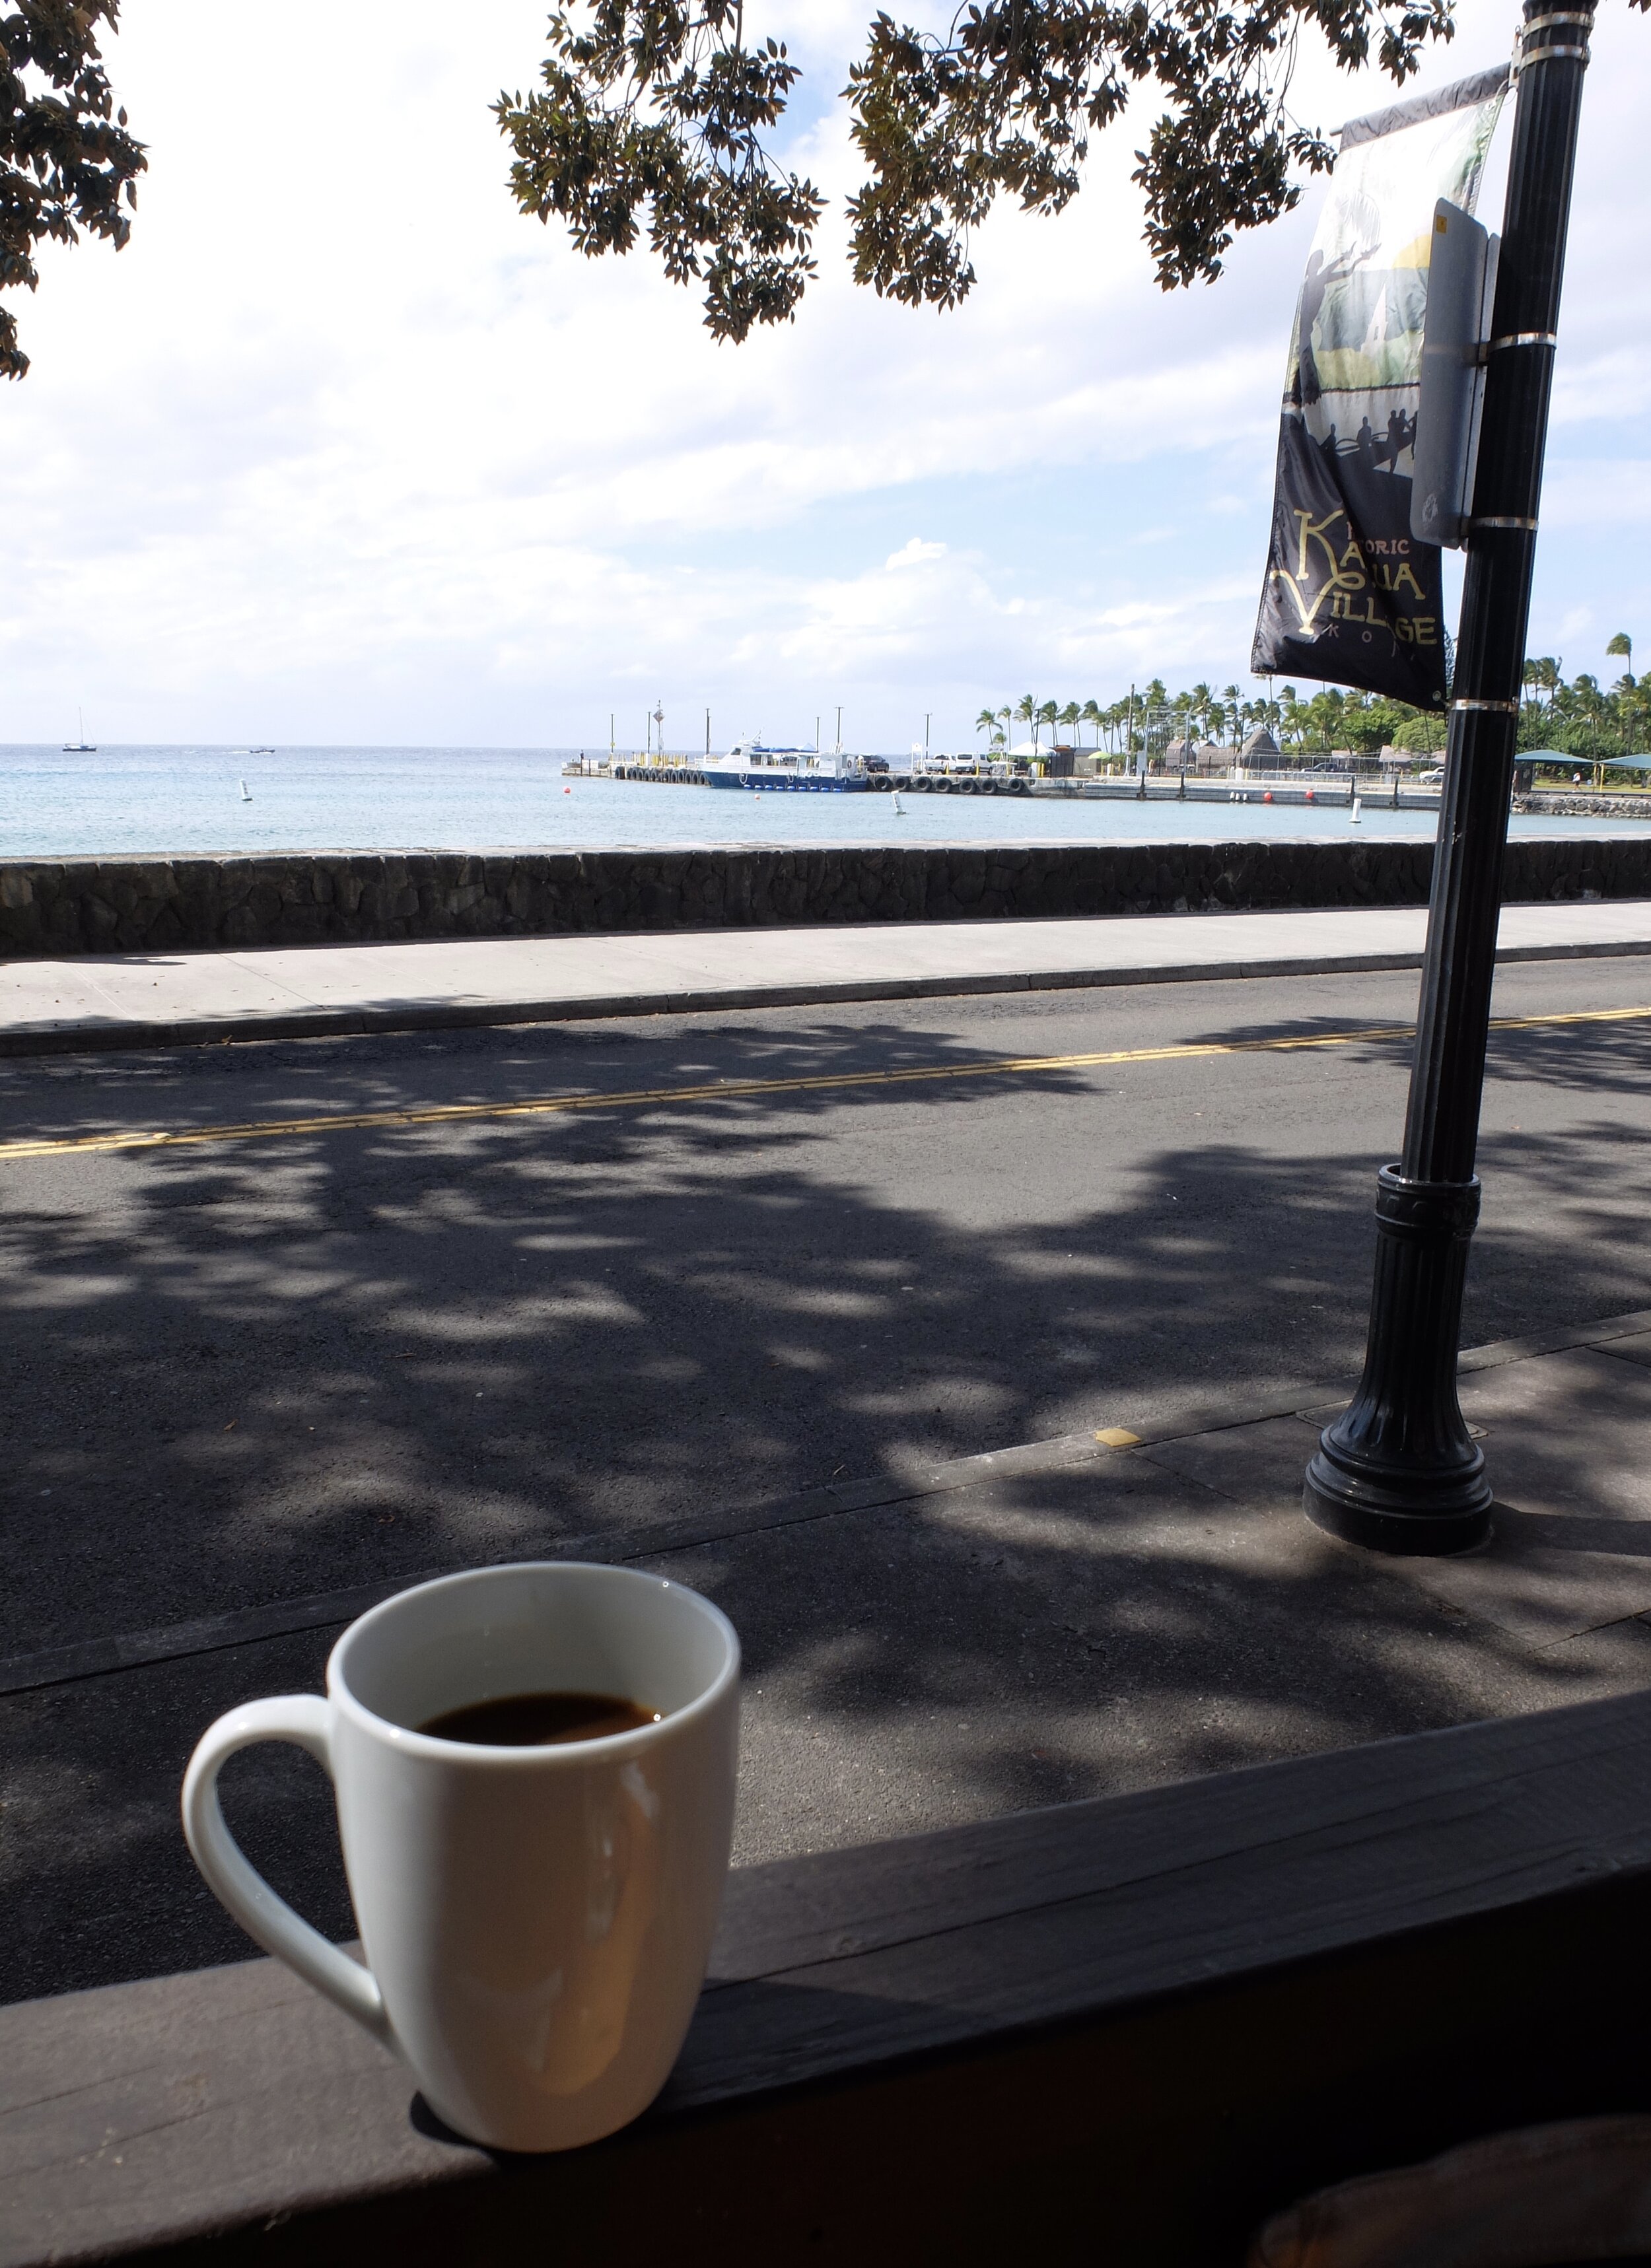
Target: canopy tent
1586 763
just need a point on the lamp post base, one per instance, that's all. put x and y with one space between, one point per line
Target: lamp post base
1398 1470
1345 1501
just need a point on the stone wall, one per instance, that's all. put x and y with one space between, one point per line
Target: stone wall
1581 803
50 906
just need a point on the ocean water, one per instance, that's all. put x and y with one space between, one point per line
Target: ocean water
161 801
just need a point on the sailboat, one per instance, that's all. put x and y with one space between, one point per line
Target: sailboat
82 747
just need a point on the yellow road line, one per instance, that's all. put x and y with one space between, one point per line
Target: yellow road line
739 1090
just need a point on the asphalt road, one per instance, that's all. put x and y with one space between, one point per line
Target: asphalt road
242 1370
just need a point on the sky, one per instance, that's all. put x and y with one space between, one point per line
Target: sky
343 449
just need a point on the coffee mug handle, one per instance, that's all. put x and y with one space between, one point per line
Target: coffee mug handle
305 1721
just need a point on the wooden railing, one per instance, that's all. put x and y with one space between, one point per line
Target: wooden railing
1119 2031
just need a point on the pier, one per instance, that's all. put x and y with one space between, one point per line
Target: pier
1332 794
920 776
966 775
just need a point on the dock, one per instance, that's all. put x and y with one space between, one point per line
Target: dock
926 778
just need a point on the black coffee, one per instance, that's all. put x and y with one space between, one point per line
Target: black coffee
541 1720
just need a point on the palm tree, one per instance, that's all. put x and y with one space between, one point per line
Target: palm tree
1028 711
1231 697
1049 715
1071 717
1151 710
1286 725
987 721
1007 717
1091 715
1542 674
1622 645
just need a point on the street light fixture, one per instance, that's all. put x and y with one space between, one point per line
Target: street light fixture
1398 1469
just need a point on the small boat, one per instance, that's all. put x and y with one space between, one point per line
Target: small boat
260 752
82 747
754 765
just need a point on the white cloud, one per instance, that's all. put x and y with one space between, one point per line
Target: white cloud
341 447
915 553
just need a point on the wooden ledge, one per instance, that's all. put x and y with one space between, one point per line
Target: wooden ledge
1127 2029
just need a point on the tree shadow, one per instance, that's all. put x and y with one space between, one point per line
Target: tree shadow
207 1086
252 1372
1603 1058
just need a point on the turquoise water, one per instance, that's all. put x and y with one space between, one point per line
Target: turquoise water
170 800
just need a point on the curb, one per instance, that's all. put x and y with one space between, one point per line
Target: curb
439 1015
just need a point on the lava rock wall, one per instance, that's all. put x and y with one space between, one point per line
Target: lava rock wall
132 905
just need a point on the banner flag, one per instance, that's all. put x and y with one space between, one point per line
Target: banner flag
1351 596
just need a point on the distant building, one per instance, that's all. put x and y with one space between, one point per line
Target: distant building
1197 757
1260 743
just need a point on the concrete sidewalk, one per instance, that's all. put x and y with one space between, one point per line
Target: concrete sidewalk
146 1001
939 1643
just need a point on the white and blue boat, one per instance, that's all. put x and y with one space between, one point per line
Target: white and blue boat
805 771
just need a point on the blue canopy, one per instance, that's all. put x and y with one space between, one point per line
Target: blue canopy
1560 757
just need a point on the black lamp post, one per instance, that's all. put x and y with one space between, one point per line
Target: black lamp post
1398 1469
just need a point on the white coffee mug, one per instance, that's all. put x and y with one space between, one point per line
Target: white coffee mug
535 1921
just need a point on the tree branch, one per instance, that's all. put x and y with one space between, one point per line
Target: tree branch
656 109
66 160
